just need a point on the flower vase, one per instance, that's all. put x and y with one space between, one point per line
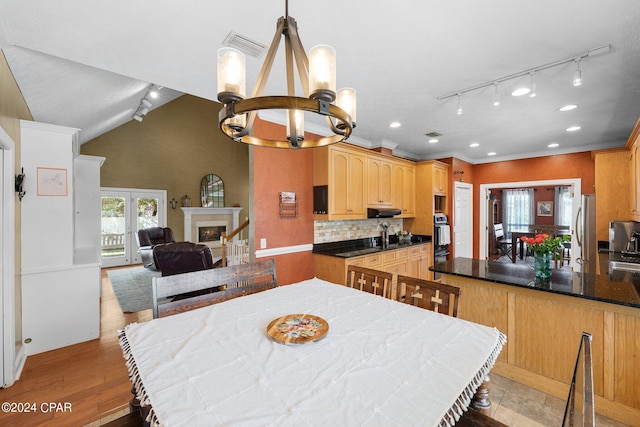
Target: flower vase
542 266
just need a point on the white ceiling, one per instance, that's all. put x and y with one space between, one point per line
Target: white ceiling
88 63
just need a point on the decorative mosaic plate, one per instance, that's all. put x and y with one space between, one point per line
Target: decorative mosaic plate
297 329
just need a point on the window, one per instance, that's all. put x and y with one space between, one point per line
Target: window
518 210
563 206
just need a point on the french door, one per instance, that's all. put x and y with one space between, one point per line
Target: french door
124 212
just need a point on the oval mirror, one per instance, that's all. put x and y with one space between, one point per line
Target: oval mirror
212 192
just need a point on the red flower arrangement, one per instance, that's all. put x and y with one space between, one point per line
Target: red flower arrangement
545 243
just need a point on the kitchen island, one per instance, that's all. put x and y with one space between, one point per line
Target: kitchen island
544 321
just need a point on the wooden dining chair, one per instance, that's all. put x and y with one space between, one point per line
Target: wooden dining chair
366 279
429 295
188 291
504 244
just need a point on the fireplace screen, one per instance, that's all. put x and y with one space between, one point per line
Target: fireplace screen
210 233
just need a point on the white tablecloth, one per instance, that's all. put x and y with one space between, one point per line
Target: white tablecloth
382 363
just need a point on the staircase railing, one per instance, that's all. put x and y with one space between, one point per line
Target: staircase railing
237 252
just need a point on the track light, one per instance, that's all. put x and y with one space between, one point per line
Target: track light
533 93
146 102
577 75
496 95
137 117
459 104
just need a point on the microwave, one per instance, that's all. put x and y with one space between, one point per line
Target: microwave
321 199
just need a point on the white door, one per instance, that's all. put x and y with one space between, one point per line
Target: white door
11 352
124 212
463 219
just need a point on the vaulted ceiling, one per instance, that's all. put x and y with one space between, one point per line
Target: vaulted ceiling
88 64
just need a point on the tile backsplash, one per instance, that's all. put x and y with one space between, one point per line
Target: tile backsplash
335 231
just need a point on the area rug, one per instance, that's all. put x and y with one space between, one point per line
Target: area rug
132 287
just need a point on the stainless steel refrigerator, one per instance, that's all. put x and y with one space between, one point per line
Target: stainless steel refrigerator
587 255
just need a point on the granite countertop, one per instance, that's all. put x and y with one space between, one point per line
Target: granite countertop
617 287
369 245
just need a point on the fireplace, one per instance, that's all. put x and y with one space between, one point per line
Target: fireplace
204 225
209 232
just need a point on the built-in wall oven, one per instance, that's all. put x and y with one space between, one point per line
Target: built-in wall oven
441 239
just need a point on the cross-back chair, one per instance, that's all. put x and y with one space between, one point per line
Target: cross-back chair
429 295
503 243
369 280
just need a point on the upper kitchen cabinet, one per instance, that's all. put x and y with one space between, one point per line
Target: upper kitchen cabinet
611 176
404 189
344 171
379 182
432 183
440 178
633 144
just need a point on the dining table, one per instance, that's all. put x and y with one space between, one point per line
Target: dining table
311 353
516 237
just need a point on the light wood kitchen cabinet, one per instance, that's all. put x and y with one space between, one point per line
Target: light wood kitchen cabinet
633 145
411 261
419 262
612 172
635 178
404 189
440 178
379 178
343 170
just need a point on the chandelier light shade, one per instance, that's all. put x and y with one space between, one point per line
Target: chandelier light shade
346 100
231 75
322 72
317 77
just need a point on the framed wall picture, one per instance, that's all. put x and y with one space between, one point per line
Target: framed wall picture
52 182
545 209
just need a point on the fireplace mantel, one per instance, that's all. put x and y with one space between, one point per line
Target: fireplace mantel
189 213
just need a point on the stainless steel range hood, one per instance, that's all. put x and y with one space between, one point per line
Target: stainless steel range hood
382 213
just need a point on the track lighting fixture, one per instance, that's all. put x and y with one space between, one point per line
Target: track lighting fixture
145 103
496 95
577 76
533 93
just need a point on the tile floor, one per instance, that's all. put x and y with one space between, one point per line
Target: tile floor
517 405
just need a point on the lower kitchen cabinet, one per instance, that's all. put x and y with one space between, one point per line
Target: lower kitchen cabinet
411 261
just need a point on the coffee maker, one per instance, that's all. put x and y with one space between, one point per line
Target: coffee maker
624 237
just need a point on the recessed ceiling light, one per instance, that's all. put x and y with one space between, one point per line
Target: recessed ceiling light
394 125
493 153
521 91
573 128
433 140
568 107
553 145
474 144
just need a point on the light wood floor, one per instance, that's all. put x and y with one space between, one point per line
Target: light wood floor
92 377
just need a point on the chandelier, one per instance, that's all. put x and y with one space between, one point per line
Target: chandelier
317 75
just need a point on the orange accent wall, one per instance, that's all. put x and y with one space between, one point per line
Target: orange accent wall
562 166
276 170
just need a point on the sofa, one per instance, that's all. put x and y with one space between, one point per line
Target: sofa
148 239
182 257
